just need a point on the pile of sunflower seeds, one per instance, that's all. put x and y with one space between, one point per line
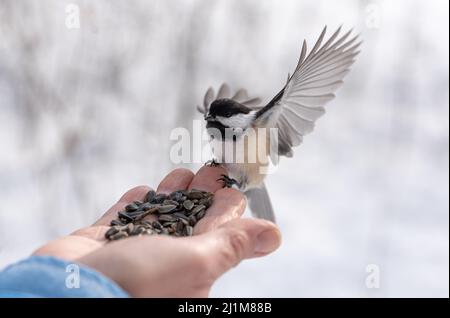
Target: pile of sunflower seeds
174 214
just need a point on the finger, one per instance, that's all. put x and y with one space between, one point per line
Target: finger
237 240
206 179
137 193
228 204
178 179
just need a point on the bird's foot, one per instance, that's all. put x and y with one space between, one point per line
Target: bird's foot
212 163
228 182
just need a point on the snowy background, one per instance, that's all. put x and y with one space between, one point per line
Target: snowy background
85 114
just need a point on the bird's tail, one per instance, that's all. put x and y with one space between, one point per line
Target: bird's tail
259 203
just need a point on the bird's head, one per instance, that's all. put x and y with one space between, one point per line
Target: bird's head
229 114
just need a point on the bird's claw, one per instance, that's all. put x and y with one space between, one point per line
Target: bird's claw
212 163
228 182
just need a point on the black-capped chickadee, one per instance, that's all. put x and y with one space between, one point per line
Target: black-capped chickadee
292 112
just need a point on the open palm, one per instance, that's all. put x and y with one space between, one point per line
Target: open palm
162 266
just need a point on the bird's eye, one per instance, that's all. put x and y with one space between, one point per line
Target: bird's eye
228 115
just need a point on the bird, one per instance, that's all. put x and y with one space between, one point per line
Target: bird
292 113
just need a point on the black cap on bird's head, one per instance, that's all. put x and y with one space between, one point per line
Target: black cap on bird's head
225 108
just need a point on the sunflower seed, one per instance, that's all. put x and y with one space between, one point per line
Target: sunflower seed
118 236
131 207
184 221
198 209
134 214
116 222
123 216
194 194
157 231
168 201
147 224
150 195
179 227
113 230
167 208
188 204
157 225
146 206
170 231
206 202
169 224
159 198
144 214
200 214
177 195
135 231
138 230
189 230
166 218
180 215
192 220
129 228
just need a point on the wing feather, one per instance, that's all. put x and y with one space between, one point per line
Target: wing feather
224 91
253 102
240 96
316 78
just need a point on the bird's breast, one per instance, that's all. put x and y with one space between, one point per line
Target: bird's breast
245 158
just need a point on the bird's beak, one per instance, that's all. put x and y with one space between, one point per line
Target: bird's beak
209 118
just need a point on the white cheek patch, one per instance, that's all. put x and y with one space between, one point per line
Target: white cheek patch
237 121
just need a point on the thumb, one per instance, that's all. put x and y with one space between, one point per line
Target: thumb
238 240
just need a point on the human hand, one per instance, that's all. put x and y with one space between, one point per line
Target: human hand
162 266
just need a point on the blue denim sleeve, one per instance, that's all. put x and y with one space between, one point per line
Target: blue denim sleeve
45 276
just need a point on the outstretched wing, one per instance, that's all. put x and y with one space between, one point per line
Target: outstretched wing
241 96
301 102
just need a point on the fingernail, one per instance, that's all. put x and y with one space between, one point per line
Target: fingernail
267 241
